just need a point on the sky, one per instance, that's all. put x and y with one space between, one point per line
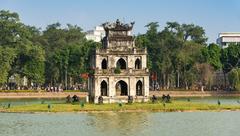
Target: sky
214 16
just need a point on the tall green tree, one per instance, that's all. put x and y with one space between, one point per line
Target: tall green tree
173 52
29 56
35 65
7 56
193 33
13 32
67 53
212 55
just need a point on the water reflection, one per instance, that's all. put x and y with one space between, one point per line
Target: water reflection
119 123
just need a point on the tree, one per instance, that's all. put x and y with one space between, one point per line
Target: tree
194 33
205 73
7 56
35 66
12 32
186 59
233 52
234 78
173 26
230 59
28 58
67 54
150 41
212 55
173 52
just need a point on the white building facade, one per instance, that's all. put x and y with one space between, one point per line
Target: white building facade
120 69
226 38
96 35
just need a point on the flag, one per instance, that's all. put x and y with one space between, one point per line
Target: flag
84 75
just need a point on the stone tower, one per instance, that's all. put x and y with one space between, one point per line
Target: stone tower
120 68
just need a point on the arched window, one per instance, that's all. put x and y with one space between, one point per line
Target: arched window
103 88
122 88
104 64
138 64
121 63
139 86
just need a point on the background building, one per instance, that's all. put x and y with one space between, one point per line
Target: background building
120 68
226 38
96 35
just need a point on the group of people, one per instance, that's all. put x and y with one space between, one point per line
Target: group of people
60 88
73 99
54 89
165 98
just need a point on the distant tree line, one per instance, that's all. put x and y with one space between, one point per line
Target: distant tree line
178 55
53 57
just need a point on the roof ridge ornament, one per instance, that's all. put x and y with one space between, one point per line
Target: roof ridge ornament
118 26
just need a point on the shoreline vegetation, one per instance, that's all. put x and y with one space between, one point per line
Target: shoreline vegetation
179 106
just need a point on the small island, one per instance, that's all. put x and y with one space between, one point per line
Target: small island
175 106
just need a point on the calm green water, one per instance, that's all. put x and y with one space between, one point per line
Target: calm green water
121 124
211 100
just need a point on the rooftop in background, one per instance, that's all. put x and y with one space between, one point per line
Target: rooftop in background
96 35
226 38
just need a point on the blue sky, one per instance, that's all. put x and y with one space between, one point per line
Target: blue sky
213 15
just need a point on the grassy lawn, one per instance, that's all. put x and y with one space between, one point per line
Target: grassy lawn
169 107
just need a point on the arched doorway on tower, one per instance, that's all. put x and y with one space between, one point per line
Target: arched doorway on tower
103 88
121 63
104 64
139 88
138 64
121 88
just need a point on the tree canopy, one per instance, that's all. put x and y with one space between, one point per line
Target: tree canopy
54 56
178 54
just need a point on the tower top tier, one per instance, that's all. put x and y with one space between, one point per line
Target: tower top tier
118 26
118 29
118 35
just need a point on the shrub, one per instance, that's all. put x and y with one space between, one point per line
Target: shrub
117 70
237 87
234 78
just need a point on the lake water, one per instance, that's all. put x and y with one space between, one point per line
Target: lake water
121 124
211 100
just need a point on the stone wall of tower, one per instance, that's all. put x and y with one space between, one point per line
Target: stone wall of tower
113 58
118 45
130 80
